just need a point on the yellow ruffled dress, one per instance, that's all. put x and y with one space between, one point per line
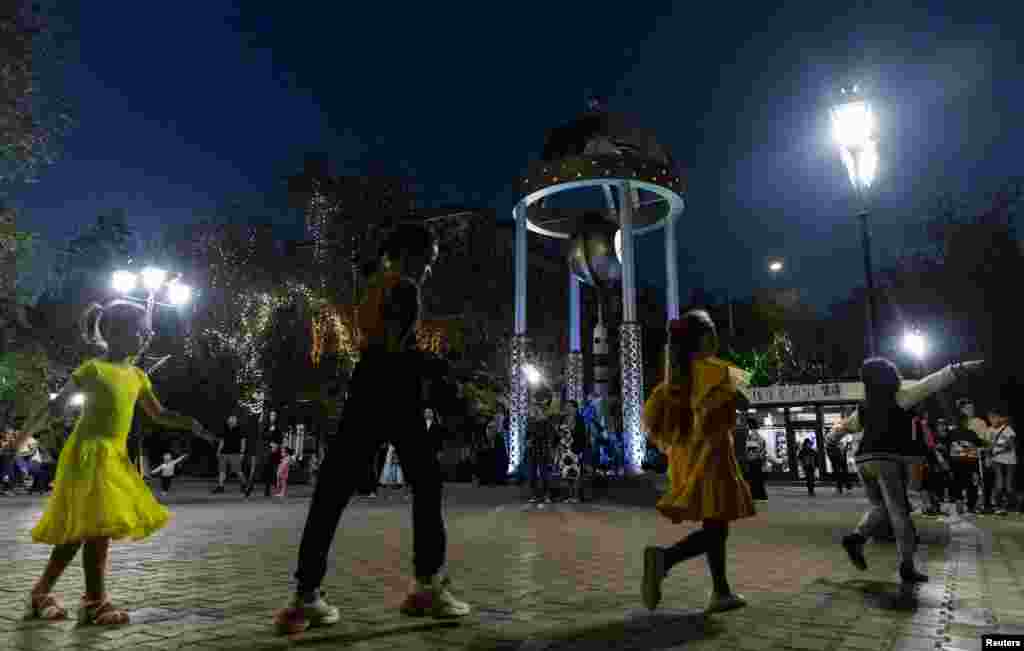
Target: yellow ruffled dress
693 424
97 492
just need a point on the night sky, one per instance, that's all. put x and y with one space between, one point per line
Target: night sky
185 107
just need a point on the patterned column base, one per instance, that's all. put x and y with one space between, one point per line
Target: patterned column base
631 356
574 376
518 402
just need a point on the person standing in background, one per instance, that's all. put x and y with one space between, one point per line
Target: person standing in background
982 430
230 452
807 457
756 450
271 439
1004 458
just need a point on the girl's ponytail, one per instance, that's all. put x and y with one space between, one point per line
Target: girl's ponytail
89 325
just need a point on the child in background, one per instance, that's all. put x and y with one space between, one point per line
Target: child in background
691 417
1004 458
98 495
283 466
166 471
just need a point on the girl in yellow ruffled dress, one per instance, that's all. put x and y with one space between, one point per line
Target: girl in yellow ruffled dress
691 417
98 494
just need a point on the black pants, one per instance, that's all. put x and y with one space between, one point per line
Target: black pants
841 471
268 473
374 467
809 478
709 540
165 483
990 479
755 477
394 378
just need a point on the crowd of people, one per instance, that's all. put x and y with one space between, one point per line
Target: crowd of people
690 416
25 464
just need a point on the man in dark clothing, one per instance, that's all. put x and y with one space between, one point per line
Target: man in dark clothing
964 448
581 447
807 457
840 467
755 451
230 451
391 373
266 454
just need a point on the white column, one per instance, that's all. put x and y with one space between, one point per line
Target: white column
520 269
518 389
628 265
630 344
574 312
671 269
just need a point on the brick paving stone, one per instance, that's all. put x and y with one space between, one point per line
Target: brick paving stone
567 575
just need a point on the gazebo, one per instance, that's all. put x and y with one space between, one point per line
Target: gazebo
642 191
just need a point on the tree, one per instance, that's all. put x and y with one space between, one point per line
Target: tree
33 113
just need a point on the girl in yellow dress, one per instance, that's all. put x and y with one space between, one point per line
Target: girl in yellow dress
98 494
691 417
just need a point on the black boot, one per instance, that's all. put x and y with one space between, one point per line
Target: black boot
854 546
910 575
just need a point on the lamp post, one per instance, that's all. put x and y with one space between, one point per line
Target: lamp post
153 279
853 126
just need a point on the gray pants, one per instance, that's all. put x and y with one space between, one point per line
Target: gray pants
1002 491
885 489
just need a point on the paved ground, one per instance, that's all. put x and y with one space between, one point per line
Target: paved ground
565 577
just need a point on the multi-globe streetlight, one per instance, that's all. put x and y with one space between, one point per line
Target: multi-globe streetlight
153 280
853 127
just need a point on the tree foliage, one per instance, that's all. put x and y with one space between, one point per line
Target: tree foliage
33 112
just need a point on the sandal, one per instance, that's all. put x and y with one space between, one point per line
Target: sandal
45 606
102 613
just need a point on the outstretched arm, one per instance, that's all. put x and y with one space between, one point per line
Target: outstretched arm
937 381
167 418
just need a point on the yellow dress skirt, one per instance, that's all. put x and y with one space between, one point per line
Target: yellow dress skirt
98 493
693 425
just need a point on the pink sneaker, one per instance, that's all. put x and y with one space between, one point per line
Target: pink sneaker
299 615
435 599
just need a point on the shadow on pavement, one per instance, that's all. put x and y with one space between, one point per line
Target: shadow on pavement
638 631
883 595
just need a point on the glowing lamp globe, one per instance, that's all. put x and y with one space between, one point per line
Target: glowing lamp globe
915 344
776 266
533 376
123 281
153 278
77 400
853 127
178 293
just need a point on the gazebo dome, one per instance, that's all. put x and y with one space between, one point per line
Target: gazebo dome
598 149
597 133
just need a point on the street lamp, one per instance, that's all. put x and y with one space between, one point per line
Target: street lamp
533 376
775 266
915 343
153 280
77 400
853 127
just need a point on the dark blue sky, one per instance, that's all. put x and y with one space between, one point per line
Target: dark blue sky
185 107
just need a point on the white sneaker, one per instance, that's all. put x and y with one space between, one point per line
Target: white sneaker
434 599
720 603
300 615
654 574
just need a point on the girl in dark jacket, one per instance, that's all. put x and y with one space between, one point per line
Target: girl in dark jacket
884 450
